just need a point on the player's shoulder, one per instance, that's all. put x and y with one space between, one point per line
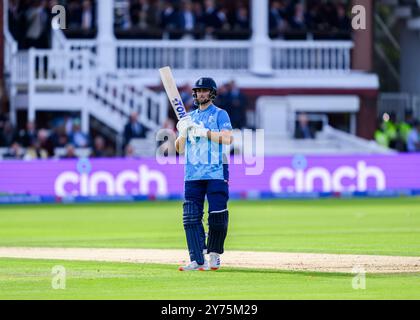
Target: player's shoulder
192 112
219 110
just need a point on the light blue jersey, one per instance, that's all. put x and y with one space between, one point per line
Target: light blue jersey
204 160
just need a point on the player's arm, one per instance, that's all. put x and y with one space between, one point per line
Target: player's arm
180 144
222 137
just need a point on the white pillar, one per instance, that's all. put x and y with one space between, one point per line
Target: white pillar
261 51
106 39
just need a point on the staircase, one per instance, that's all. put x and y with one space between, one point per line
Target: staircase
67 78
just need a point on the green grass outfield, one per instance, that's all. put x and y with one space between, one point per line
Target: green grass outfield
354 226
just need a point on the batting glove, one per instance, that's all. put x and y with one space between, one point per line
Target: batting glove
197 131
183 125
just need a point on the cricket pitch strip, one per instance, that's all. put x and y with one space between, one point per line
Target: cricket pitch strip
341 263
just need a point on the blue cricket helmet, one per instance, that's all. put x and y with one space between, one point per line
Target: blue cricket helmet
206 83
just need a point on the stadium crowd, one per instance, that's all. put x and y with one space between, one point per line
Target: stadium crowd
30 20
62 136
327 18
60 141
403 136
230 19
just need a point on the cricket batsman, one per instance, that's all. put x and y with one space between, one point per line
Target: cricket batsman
204 135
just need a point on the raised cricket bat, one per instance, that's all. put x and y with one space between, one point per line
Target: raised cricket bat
172 92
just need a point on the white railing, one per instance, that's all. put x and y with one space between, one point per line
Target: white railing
58 69
20 69
399 103
233 55
311 55
125 99
185 55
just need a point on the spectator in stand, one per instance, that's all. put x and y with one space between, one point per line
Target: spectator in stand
276 22
222 99
198 12
129 151
313 17
380 137
223 14
413 140
241 19
88 15
27 137
99 148
78 138
35 151
37 19
390 128
186 96
303 129
8 136
133 129
70 152
238 104
210 18
166 147
15 26
143 14
186 19
46 142
404 128
168 16
298 20
343 22
59 137
15 152
74 14
68 123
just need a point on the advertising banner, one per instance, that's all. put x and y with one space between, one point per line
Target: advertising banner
150 177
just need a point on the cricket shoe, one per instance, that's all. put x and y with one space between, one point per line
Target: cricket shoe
194 266
214 261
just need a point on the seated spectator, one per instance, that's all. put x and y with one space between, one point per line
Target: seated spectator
129 151
133 129
78 138
405 127
186 97
276 22
210 18
187 18
168 16
303 129
45 142
14 19
413 140
37 26
27 137
241 19
8 134
15 152
35 151
88 15
59 137
298 20
70 152
143 15
74 14
390 128
99 148
380 137
237 103
343 22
